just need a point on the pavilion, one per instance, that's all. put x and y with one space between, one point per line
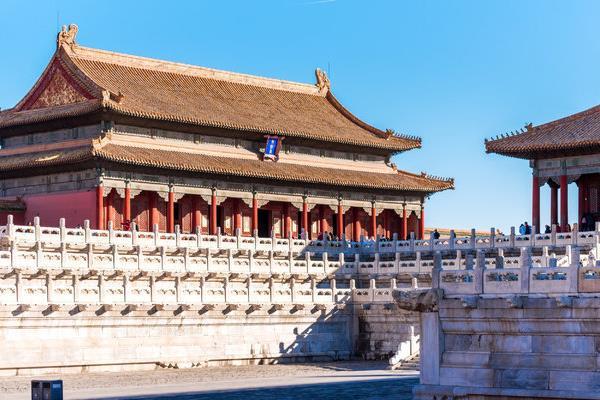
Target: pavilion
560 152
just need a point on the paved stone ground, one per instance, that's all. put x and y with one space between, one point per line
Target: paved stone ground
351 380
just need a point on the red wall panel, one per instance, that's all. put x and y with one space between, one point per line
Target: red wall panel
75 207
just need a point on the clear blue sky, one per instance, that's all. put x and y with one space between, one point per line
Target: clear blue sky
452 72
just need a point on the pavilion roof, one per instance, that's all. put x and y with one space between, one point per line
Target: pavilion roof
106 150
81 80
576 134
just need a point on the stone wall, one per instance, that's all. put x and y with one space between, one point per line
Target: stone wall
101 340
383 328
530 346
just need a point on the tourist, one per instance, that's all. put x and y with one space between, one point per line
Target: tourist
522 229
436 234
527 228
548 229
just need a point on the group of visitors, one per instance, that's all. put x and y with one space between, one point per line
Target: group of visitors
525 229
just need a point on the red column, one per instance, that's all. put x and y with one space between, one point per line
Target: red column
305 218
422 223
373 220
171 213
237 216
127 205
404 223
287 221
322 220
340 220
384 223
553 205
254 214
153 211
213 213
581 202
535 203
100 207
564 202
356 228
110 211
197 216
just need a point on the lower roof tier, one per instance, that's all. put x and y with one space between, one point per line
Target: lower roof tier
106 151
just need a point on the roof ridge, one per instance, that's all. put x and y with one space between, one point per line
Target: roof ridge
133 61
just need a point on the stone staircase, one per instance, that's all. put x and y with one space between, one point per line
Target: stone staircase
411 363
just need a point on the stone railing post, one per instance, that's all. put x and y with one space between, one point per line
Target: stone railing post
238 236
574 270
76 288
229 260
249 288
525 268
250 261
458 259
49 289
271 260
87 234
452 239
372 288
473 239
115 257
134 233
37 228
414 281
178 290
198 231
418 260
333 286
10 227
412 241
62 229
293 289
313 289
435 271
512 236
478 271
532 236
156 235
19 287
111 233
492 238
376 262
271 288
177 236
553 235
325 262
500 259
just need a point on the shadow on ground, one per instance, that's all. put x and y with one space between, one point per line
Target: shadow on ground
399 388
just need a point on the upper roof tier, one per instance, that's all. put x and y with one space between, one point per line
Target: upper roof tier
573 135
81 80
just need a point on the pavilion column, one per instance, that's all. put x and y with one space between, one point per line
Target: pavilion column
171 212
100 207
127 205
404 223
373 220
340 220
535 203
564 202
553 204
356 228
213 213
305 218
254 214
197 216
422 222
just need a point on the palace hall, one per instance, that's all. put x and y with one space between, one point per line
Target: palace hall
119 140
560 152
